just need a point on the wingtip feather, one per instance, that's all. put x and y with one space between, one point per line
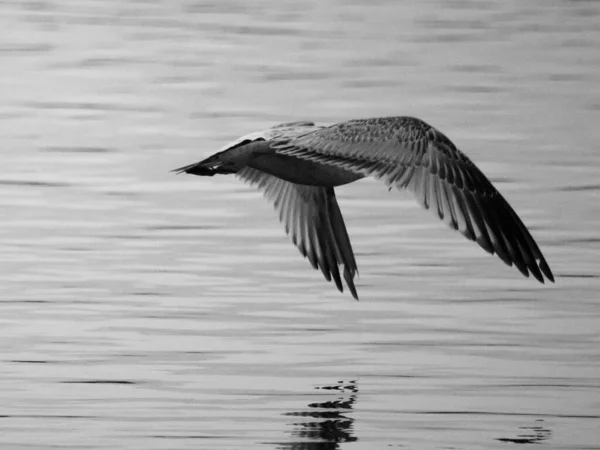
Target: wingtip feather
545 268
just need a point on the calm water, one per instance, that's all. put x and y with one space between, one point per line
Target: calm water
146 310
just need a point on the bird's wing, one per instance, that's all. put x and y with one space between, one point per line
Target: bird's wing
408 153
313 220
301 123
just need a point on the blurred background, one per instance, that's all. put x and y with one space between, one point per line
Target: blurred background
140 309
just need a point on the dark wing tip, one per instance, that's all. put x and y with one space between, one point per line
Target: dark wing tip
535 271
541 270
545 268
350 282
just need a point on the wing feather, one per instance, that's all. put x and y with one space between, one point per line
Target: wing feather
408 153
312 218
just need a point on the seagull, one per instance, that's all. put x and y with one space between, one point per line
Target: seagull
298 165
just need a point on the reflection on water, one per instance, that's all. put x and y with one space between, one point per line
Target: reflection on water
144 310
326 424
533 434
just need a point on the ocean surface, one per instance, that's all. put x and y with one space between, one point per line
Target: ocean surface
140 309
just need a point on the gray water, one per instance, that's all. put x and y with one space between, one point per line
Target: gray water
140 309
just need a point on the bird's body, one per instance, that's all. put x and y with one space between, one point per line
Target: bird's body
302 171
297 165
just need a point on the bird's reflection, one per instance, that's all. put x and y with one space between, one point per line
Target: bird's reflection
325 425
530 434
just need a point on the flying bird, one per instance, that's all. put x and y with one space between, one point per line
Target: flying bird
297 165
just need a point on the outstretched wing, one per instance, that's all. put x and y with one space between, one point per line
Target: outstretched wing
313 220
408 153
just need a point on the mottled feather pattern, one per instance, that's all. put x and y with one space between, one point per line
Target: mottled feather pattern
408 153
403 141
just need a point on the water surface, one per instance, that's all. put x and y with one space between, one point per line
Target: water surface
146 310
